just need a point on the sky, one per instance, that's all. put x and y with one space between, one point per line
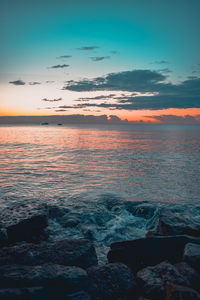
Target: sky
138 60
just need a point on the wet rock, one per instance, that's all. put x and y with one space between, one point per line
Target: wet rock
81 295
189 274
3 237
111 281
175 223
153 280
150 251
192 255
24 222
36 293
69 252
70 279
176 292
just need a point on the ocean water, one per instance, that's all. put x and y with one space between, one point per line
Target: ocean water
104 176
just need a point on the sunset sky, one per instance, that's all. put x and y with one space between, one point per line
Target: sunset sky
135 59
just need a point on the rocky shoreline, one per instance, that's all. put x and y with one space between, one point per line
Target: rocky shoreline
163 265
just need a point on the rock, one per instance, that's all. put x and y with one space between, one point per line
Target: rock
110 281
70 279
192 255
36 293
150 251
153 280
176 292
3 237
189 274
175 223
69 252
81 295
24 222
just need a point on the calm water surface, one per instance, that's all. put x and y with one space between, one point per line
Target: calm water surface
92 168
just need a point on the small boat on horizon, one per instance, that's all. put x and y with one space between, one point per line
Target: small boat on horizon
59 124
44 123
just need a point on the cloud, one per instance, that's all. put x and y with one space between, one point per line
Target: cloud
172 119
17 82
64 56
114 52
88 48
59 66
34 83
136 80
160 94
52 100
101 97
166 70
64 119
161 62
99 58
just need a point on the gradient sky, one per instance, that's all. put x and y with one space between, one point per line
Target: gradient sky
133 58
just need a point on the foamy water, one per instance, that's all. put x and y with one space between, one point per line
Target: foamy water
99 172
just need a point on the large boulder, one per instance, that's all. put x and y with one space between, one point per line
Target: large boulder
24 222
69 279
111 281
35 293
175 223
69 252
192 255
189 274
80 295
150 251
152 281
177 292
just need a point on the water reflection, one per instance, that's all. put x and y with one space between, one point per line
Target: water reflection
137 162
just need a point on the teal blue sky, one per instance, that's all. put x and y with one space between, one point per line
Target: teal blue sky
128 35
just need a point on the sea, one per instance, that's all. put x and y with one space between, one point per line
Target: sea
113 180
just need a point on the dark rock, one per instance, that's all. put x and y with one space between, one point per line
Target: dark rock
81 295
150 251
3 237
69 278
110 281
69 252
192 255
24 222
189 274
175 223
176 292
153 280
36 293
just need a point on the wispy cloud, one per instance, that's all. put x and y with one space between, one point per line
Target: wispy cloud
99 58
166 70
34 83
17 82
64 56
52 100
88 48
161 62
172 119
58 66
